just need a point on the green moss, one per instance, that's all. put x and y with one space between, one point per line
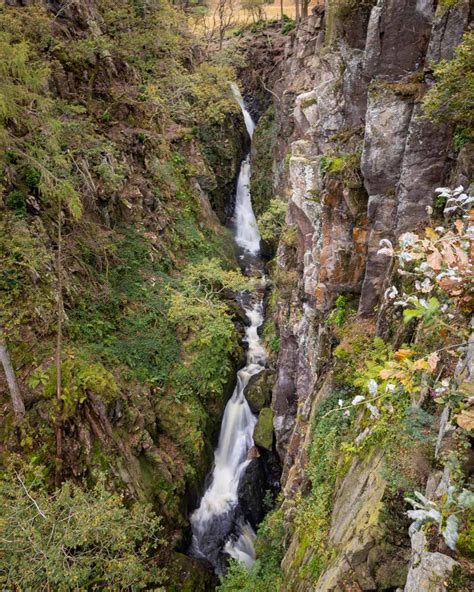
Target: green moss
466 537
263 433
445 5
308 103
345 167
261 183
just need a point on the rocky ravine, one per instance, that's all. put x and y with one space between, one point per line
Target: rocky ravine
357 162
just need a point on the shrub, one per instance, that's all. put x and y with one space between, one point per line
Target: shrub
75 538
16 201
81 379
451 98
272 221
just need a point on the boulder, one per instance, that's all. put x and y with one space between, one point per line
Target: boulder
428 572
258 392
263 433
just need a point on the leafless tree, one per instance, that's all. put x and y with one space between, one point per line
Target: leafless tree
215 26
15 393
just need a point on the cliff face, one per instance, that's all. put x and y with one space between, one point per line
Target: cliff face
361 162
357 161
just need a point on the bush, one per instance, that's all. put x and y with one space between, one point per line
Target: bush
450 100
81 379
16 201
75 539
272 221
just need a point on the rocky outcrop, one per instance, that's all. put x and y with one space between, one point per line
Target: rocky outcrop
428 572
357 162
361 165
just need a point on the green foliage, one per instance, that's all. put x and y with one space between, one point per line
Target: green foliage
339 314
445 5
16 201
272 222
420 309
205 324
345 167
32 176
325 464
75 539
261 182
26 279
265 574
288 25
361 359
80 380
450 99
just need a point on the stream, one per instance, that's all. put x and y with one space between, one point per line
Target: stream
219 527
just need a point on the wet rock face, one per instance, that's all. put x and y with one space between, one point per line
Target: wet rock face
252 491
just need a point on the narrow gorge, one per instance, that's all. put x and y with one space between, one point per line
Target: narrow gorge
236 295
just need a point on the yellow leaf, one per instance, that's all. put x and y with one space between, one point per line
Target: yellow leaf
420 364
401 354
465 419
430 233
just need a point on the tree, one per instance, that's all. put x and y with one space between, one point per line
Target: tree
224 16
304 8
25 106
75 539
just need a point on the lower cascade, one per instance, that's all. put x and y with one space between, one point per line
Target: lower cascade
218 525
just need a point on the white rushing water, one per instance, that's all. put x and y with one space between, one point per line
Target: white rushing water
215 525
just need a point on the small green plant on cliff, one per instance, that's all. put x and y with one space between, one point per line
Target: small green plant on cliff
339 314
345 167
75 538
272 221
450 99
445 5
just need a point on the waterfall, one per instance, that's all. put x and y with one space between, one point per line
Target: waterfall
217 525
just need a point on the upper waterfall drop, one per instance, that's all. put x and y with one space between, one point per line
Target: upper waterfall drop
247 235
249 123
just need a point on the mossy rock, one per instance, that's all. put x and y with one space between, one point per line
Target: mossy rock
258 392
263 433
188 575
